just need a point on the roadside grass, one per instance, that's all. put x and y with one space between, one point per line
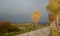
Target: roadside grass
23 29
55 33
58 33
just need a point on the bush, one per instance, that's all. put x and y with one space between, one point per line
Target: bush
4 26
13 29
7 27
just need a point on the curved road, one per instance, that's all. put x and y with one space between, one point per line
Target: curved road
40 32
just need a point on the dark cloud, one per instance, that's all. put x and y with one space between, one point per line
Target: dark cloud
19 10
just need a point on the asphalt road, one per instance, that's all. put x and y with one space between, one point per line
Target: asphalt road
40 32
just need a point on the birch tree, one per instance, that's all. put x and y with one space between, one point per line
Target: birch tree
35 17
54 8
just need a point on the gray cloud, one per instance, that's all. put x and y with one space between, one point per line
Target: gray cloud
19 10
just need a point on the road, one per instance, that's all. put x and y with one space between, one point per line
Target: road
40 32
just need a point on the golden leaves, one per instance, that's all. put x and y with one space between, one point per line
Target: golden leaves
35 16
52 16
54 6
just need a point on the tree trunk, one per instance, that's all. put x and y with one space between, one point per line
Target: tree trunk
57 22
35 26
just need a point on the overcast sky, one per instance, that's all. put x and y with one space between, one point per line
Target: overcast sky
20 10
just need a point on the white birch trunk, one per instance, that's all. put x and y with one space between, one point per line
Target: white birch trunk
35 25
57 20
57 23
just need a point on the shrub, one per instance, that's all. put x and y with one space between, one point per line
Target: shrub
4 26
7 27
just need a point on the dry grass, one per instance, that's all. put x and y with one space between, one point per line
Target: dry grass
54 33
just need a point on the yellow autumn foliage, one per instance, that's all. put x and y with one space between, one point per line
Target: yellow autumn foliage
35 16
54 6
